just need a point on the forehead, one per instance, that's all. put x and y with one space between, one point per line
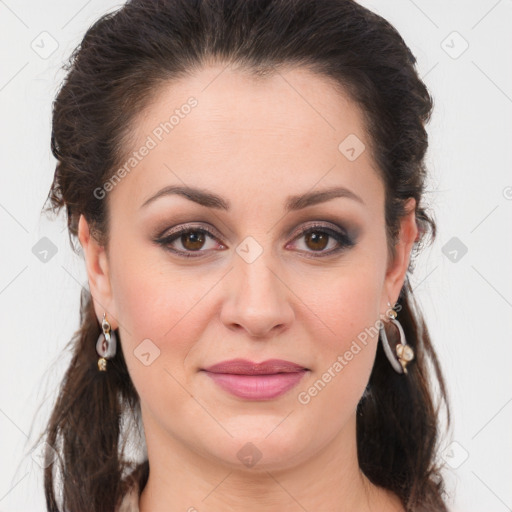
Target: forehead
223 128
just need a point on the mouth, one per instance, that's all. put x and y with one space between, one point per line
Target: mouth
256 381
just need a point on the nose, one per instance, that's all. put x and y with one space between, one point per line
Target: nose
258 300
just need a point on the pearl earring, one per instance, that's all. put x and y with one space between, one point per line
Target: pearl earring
106 344
404 352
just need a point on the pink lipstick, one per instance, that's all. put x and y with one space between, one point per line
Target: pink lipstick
256 381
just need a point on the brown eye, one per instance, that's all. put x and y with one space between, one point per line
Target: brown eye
192 240
322 240
317 240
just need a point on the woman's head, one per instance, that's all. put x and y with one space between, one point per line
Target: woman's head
254 288
264 105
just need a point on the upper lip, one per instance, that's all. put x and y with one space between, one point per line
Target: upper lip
245 367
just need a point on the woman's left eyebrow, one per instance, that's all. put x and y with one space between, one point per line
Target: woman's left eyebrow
319 196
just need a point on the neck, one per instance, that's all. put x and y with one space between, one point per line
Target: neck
181 479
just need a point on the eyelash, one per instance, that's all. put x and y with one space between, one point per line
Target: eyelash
342 238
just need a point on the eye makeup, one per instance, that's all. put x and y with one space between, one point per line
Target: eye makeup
201 234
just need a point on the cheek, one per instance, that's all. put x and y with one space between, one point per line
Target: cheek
161 315
347 309
345 303
158 303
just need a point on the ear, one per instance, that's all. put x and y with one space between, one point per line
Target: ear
96 263
397 268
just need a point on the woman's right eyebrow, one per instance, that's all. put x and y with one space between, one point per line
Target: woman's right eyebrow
211 200
200 196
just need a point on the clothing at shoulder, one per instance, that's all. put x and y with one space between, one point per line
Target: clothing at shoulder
130 501
133 483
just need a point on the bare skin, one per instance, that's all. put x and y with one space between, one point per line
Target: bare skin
254 143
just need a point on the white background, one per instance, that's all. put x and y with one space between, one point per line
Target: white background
467 303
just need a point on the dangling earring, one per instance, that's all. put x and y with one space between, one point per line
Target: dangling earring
404 352
106 344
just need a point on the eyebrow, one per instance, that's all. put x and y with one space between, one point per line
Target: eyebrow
292 203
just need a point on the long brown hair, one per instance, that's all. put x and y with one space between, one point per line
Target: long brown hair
122 60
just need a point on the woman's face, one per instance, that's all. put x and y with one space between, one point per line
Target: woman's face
243 281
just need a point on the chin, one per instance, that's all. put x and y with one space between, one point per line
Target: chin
256 451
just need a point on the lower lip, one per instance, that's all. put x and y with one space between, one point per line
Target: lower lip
257 387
